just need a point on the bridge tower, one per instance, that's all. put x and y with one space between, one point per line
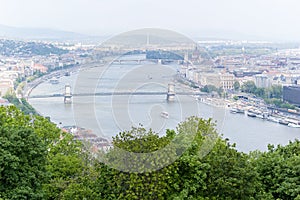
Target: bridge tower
67 95
171 92
186 57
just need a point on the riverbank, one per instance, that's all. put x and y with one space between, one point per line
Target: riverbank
34 83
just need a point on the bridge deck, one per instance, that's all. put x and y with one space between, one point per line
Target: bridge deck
117 94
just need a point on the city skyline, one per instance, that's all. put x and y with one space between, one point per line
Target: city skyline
233 19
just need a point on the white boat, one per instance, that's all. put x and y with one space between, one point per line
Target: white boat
293 125
237 110
273 119
260 116
54 80
283 122
233 110
251 114
164 114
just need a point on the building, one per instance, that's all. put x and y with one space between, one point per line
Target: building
224 80
291 94
5 86
39 67
227 81
4 102
262 81
209 79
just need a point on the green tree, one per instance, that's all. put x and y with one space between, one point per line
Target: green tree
209 88
196 138
21 104
211 168
275 92
39 161
249 87
230 174
206 167
279 170
140 166
71 177
236 85
22 157
70 165
235 98
260 92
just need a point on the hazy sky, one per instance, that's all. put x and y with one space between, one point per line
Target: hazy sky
268 18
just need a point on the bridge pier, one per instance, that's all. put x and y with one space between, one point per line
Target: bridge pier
67 95
171 92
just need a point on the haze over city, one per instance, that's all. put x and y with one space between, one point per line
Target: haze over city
275 20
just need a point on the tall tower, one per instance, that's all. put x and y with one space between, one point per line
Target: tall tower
148 40
244 57
186 57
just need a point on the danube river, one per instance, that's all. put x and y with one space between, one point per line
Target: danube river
108 115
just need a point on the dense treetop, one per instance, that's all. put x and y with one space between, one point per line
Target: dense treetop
39 161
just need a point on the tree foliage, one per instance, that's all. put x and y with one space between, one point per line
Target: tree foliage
279 170
22 157
21 104
39 161
236 85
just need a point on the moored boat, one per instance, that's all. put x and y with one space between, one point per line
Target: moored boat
251 114
237 110
260 116
283 122
164 114
233 110
273 119
240 111
293 125
54 80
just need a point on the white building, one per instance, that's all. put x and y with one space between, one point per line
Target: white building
262 81
227 81
5 86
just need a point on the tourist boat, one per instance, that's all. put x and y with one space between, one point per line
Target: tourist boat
251 113
54 80
233 110
237 110
164 114
261 116
241 111
273 119
283 122
293 125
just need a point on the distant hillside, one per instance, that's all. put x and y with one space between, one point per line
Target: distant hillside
38 33
21 48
